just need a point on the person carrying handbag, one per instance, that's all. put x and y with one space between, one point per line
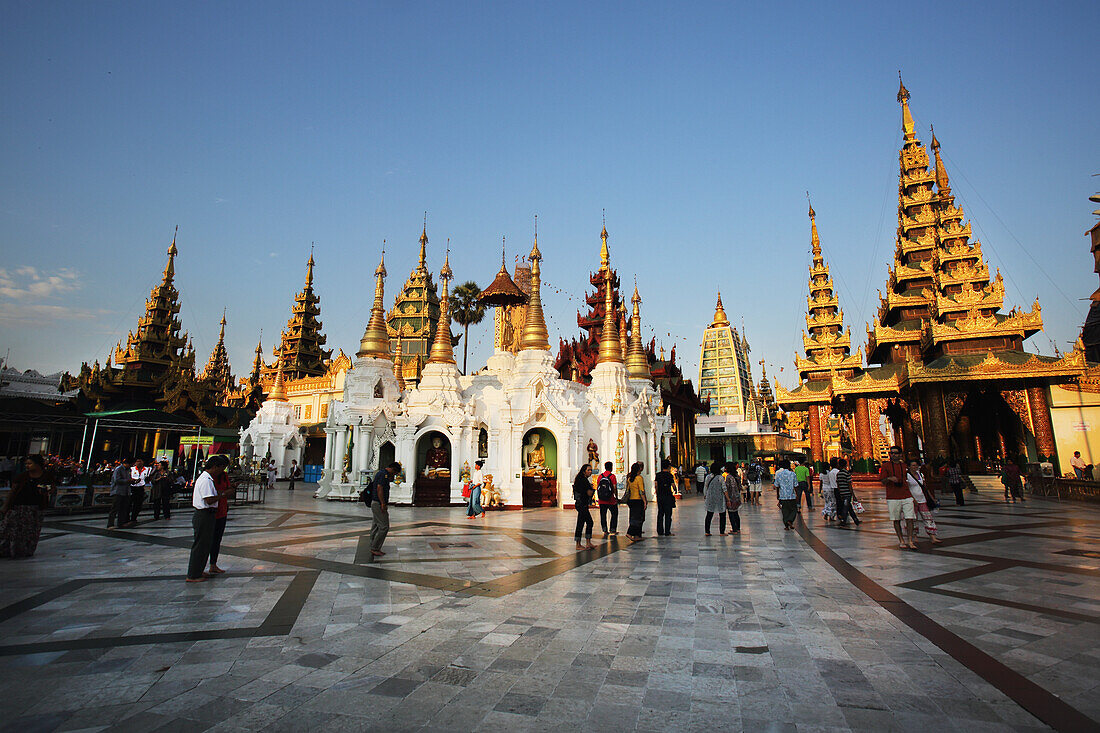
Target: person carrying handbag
731 486
917 488
636 500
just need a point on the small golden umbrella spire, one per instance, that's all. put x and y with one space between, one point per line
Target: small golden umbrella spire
170 268
720 318
637 365
278 392
443 348
376 341
943 183
535 335
309 268
815 239
422 266
907 125
611 350
398 367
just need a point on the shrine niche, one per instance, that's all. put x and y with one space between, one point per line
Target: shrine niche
433 470
539 461
483 443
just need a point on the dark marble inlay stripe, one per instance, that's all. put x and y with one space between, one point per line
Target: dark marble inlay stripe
1038 701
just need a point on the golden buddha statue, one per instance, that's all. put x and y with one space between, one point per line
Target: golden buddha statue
534 457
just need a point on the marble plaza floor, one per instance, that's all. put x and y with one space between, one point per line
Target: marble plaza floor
498 624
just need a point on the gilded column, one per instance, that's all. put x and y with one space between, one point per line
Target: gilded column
935 422
864 447
817 454
1044 429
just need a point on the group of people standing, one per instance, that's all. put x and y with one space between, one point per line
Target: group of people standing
128 491
605 491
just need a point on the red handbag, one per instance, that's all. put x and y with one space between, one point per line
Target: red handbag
466 490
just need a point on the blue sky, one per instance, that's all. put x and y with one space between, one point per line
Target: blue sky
259 128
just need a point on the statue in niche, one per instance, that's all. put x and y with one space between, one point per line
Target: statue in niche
378 389
593 455
438 459
483 443
534 457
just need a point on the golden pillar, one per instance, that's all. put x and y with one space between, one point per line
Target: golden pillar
814 419
1044 429
156 443
864 446
935 422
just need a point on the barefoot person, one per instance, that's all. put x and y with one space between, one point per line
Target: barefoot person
894 476
919 491
205 500
582 502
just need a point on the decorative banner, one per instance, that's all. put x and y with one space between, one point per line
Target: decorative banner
197 440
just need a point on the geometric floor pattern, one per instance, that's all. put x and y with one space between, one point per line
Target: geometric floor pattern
500 624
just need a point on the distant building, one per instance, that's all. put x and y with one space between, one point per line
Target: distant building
35 386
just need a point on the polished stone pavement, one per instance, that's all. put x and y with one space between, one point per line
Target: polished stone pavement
499 624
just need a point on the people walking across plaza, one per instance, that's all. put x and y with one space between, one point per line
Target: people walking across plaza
161 484
1013 481
582 502
221 515
477 480
731 485
21 523
700 477
272 473
664 493
380 507
894 475
607 496
845 494
204 499
295 474
1077 463
954 478
923 499
139 480
786 487
828 491
714 499
803 485
120 495
635 501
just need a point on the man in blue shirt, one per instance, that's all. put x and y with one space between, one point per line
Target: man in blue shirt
380 507
785 481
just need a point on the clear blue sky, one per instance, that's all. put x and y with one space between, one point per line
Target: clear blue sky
260 127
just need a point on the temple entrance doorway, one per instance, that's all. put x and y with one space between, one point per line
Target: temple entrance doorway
539 459
432 486
987 431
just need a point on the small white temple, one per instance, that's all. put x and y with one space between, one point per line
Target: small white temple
533 429
274 433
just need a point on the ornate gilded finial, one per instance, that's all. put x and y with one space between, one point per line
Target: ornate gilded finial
534 334
943 183
611 350
309 267
398 366
815 240
278 392
375 343
442 347
720 318
170 268
907 125
503 255
605 253
221 333
637 365
423 264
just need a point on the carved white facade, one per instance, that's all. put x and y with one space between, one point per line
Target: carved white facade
274 431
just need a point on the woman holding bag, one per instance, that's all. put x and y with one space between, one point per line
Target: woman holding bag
582 501
732 490
915 479
636 500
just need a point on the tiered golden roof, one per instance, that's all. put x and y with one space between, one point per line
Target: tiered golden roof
217 372
300 351
375 343
414 315
828 344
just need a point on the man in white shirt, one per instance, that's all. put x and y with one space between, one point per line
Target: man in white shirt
205 501
700 477
272 473
139 479
1078 464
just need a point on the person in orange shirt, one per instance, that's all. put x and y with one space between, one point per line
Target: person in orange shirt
894 476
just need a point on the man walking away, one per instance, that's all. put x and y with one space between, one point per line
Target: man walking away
845 496
894 476
120 495
295 474
607 496
380 507
700 477
205 501
664 491
955 483
802 486
786 488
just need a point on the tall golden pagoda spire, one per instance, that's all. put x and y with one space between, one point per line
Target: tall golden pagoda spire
815 239
720 318
398 367
278 392
611 350
170 268
443 348
907 126
535 335
422 265
375 343
637 365
828 346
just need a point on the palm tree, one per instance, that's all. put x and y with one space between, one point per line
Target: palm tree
466 312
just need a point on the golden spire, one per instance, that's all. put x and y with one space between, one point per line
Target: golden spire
309 268
278 392
720 318
534 334
423 265
611 350
815 240
443 348
170 268
637 365
221 333
907 125
605 254
942 181
375 343
398 367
